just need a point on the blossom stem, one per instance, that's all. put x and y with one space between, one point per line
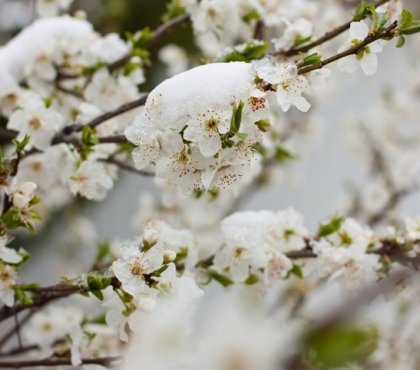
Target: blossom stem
327 37
388 33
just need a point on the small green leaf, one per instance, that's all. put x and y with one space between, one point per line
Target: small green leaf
297 271
103 251
406 20
254 49
173 9
251 16
299 41
340 346
252 280
311 59
221 279
22 297
400 42
414 28
330 227
263 125
235 122
282 154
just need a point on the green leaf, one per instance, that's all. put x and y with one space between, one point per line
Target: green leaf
252 280
22 297
181 255
88 142
297 271
263 125
140 39
406 20
299 40
400 42
363 10
311 59
173 9
221 279
330 227
251 16
414 28
103 251
20 145
341 345
254 49
96 283
282 154
90 70
235 122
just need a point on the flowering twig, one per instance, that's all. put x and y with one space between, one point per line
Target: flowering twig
327 37
389 32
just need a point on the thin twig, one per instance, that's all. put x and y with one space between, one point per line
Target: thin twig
127 167
389 32
14 329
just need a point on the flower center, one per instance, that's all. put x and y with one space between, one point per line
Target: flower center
136 267
211 124
35 123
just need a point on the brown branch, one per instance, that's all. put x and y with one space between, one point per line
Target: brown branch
45 295
127 167
12 331
6 134
395 198
388 33
327 37
53 362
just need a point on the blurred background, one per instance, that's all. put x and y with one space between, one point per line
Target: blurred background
316 186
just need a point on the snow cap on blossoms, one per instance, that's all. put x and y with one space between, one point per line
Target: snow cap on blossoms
199 127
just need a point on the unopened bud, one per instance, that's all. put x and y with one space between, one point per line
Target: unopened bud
169 256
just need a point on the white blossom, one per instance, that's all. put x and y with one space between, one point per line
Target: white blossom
8 278
366 57
289 85
134 265
37 121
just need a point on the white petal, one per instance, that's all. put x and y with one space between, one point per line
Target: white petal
369 64
9 255
144 154
193 132
359 30
301 103
377 46
349 64
239 270
209 145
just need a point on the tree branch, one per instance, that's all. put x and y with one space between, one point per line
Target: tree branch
327 37
127 167
53 362
389 32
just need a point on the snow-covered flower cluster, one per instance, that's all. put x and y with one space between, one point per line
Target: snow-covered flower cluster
55 76
200 127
